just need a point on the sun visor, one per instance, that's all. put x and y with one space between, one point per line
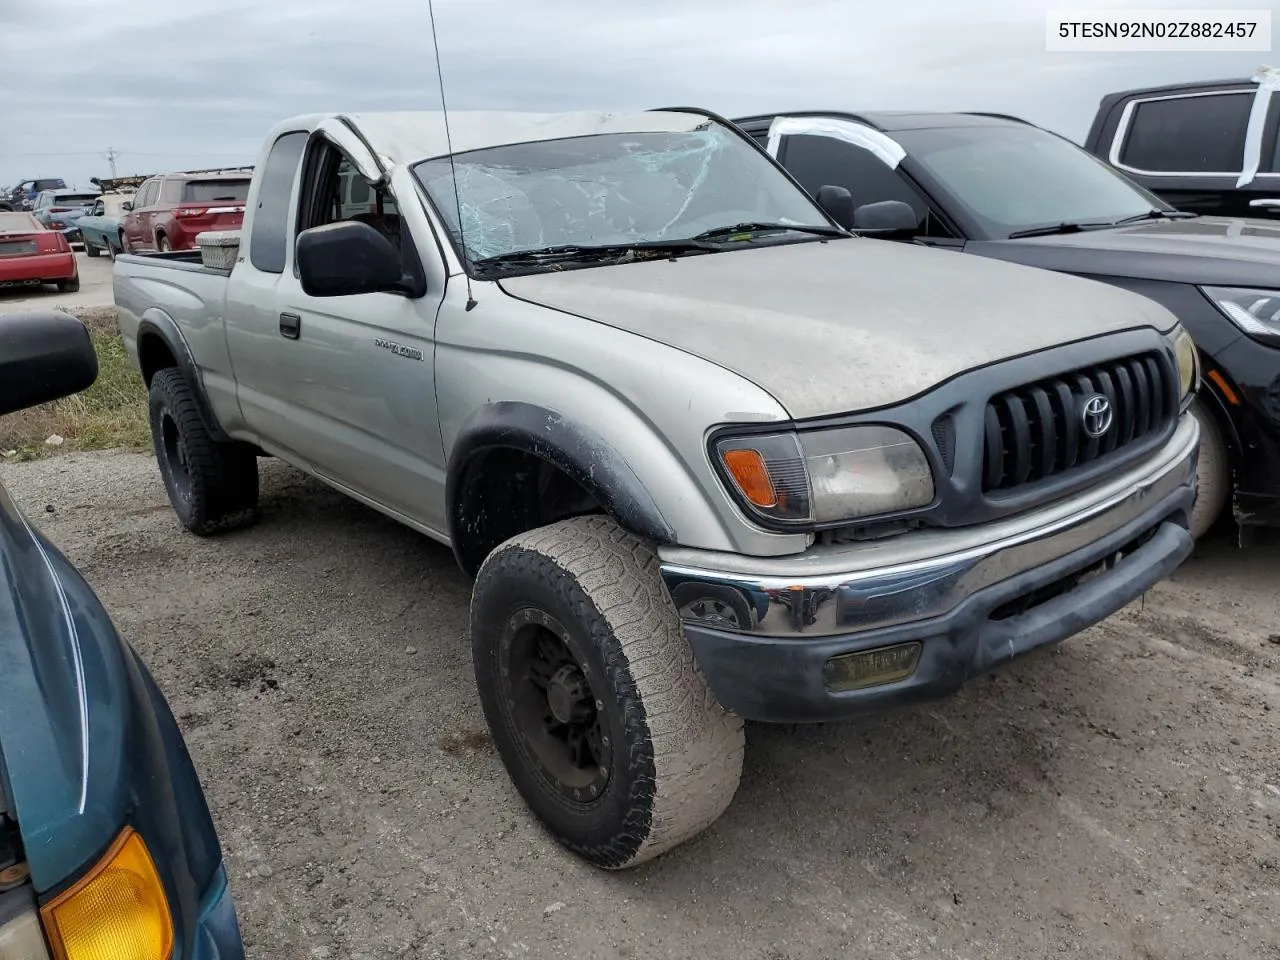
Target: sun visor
885 148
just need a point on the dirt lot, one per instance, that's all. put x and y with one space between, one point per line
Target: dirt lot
1116 797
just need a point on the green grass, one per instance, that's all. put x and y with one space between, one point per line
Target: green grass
111 413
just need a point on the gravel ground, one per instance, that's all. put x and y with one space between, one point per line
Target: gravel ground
1117 796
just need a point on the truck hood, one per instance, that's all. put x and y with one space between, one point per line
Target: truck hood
1221 251
845 325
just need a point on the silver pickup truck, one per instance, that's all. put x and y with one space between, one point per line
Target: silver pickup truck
708 456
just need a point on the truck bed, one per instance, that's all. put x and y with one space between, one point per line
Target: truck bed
174 290
179 259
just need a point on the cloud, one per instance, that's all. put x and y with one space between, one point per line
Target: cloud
171 84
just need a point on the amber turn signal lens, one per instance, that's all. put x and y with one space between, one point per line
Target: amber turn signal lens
751 475
118 911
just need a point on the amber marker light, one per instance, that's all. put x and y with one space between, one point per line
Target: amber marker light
117 911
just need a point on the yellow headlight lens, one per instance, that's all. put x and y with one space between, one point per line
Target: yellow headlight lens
1185 349
118 911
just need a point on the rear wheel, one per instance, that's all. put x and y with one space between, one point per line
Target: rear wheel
212 486
69 286
125 245
162 244
1213 472
593 697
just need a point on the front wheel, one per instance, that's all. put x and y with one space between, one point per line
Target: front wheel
1213 472
89 249
593 697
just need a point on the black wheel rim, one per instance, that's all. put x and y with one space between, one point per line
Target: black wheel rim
553 706
175 455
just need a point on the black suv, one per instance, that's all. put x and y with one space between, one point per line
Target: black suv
1186 143
1000 187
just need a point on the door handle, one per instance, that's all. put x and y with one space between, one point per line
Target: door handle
290 325
1267 203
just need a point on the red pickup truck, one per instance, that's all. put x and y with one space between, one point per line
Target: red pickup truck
170 210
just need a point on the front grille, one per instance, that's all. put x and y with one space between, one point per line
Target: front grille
1039 430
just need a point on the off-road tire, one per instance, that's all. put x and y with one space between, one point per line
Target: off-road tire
1213 472
69 286
212 486
676 757
90 250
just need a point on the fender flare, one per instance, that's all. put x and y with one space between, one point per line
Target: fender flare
1211 397
569 446
155 322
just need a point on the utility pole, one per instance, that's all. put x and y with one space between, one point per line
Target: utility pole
111 159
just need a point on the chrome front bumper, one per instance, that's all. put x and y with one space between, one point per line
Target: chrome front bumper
841 590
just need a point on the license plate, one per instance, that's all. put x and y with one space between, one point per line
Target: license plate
13 248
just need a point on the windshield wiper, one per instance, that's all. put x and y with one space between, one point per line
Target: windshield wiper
572 251
717 233
1053 228
1155 215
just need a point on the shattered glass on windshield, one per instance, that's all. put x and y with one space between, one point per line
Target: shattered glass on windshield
608 189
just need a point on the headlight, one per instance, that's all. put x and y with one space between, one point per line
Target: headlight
1184 348
1255 312
117 911
826 476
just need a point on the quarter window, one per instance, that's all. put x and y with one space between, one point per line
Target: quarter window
269 240
1202 134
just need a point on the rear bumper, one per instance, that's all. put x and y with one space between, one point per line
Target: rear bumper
41 267
769 644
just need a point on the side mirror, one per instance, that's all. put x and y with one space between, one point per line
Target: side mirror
838 202
127 206
345 258
885 217
44 355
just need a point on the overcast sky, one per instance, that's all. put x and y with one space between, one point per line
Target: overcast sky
173 84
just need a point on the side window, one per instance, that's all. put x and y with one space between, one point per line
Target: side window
269 241
342 194
1203 134
1271 139
817 161
146 194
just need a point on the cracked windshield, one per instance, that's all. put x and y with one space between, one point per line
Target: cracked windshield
611 189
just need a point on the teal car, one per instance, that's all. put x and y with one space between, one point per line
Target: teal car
100 227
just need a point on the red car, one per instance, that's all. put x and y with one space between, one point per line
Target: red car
31 255
170 210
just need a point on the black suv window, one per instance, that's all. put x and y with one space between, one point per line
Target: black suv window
1203 134
268 243
820 161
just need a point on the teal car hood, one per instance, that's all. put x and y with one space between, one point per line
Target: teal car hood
61 735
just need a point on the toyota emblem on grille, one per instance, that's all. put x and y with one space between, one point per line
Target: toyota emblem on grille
1097 414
